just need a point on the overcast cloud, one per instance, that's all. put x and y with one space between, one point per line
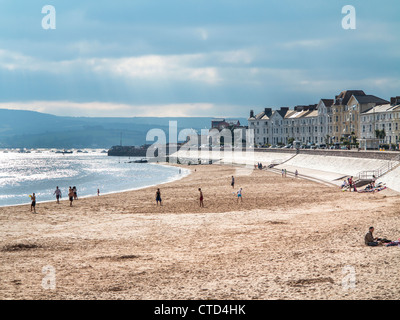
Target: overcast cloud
193 58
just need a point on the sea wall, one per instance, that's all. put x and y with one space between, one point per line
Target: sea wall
392 179
328 165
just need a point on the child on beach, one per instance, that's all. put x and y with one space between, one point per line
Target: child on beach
158 196
201 198
33 203
239 196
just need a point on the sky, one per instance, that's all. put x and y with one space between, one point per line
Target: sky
215 58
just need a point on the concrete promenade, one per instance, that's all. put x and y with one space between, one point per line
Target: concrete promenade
328 165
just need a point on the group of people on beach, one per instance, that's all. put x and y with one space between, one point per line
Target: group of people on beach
201 196
72 195
349 184
258 166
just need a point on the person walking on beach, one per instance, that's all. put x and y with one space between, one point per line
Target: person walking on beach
296 173
233 182
71 196
58 194
158 196
33 203
98 192
201 198
75 193
285 173
239 196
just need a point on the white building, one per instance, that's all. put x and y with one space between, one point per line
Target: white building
382 117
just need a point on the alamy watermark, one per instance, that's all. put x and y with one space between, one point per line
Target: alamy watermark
349 20
226 146
349 278
49 280
49 20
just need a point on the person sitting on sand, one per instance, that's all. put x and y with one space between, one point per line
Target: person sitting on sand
371 241
71 196
201 198
33 203
158 196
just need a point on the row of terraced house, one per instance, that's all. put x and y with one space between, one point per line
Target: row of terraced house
352 116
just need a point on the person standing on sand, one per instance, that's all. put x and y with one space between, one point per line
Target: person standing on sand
201 198
233 182
350 183
75 193
158 196
98 192
71 196
285 173
33 203
58 194
296 173
239 196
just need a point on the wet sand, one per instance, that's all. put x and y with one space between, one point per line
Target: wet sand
289 239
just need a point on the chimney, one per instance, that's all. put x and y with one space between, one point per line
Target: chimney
394 101
251 114
268 111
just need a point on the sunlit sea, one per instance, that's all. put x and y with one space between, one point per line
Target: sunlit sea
40 172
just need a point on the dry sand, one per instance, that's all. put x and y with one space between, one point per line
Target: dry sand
289 239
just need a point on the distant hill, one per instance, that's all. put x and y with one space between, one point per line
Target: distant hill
30 129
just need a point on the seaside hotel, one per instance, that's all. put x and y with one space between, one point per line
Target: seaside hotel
351 116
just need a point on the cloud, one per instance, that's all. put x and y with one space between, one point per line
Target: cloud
103 109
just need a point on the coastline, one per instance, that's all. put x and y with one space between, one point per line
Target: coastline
289 239
183 174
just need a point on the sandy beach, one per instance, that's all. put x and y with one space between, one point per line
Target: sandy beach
289 239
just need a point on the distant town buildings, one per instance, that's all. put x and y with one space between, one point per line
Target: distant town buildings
223 123
351 118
